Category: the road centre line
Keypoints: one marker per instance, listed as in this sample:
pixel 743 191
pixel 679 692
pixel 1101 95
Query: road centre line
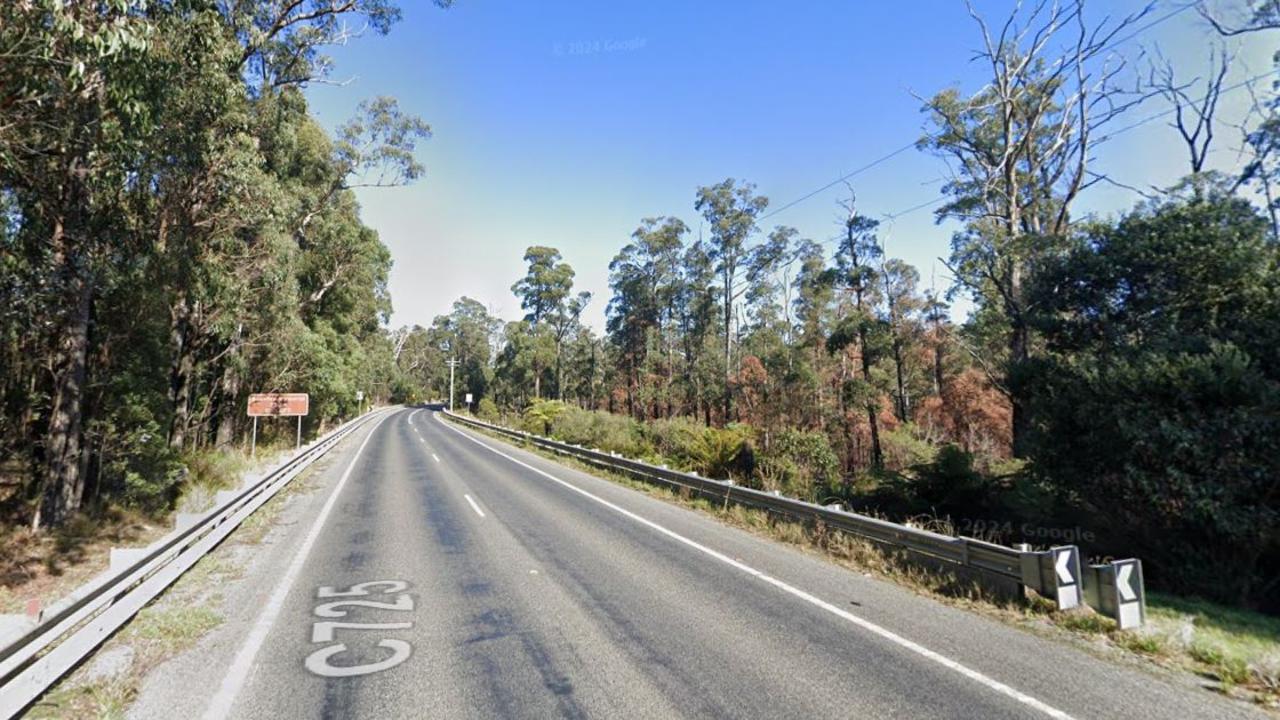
pixel 863 623
pixel 220 706
pixel 474 506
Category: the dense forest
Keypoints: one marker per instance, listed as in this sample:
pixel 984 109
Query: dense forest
pixel 1117 384
pixel 176 231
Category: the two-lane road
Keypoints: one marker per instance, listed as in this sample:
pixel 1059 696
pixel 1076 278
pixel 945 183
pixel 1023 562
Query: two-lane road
pixel 447 574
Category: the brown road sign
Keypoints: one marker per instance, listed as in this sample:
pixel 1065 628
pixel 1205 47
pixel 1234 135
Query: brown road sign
pixel 278 404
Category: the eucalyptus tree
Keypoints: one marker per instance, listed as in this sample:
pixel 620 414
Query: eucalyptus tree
pixel 1021 149
pixel 75 114
pixel 860 327
pixel 545 294
pixel 902 306
pixel 731 210
pixel 644 277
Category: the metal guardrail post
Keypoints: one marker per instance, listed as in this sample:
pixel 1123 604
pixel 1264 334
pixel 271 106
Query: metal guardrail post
pixel 1116 590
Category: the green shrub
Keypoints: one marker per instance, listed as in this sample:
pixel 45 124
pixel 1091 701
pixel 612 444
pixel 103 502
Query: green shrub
pixel 800 464
pixel 537 418
pixel 724 452
pixel 606 431
pixel 675 440
pixel 904 448
pixel 487 410
pixel 950 485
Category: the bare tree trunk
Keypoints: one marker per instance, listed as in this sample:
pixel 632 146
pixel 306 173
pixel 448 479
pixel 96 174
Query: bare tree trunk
pixel 1019 353
pixel 728 345
pixel 903 404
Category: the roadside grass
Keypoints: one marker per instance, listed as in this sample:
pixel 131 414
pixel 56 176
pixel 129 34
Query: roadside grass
pixel 172 623
pixel 1236 650
pixel 254 529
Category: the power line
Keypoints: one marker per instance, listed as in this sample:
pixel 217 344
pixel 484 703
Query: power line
pixel 1150 118
pixel 884 158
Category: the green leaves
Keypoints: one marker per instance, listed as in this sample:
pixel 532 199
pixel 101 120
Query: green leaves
pixel 1158 404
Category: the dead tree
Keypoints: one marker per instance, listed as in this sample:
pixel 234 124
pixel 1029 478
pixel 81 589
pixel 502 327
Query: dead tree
pixel 1193 111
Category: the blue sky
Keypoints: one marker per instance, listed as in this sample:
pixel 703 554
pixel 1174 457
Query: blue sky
pixel 565 123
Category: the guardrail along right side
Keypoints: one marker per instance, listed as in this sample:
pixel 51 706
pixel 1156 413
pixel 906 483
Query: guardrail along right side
pixel 1114 589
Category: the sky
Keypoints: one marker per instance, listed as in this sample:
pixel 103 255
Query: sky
pixel 565 123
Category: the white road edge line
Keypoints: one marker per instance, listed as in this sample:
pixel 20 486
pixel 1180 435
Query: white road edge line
pixel 220 706
pixel 474 506
pixel 863 623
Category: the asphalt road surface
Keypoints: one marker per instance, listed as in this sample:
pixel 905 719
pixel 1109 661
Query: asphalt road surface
pixel 437 573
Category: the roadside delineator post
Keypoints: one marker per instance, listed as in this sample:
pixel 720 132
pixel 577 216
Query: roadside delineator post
pixel 1055 574
pixel 1116 590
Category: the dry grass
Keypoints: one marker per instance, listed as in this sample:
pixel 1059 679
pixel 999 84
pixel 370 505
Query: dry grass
pixel 45 566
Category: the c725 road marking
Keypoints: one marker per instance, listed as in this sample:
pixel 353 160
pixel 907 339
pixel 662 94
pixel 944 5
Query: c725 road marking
pixel 323 631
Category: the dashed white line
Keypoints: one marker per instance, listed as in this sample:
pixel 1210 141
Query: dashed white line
pixel 863 623
pixel 474 506
pixel 435 457
pixel 220 705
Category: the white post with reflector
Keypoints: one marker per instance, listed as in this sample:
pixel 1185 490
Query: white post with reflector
pixel 1055 574
pixel 1116 589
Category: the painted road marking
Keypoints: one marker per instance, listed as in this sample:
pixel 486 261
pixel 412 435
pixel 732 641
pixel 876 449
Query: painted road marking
pixel 323 631
pixel 220 705
pixel 435 457
pixel 863 623
pixel 474 506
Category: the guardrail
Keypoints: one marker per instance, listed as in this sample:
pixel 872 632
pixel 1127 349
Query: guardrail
pixel 1055 573
pixel 70 630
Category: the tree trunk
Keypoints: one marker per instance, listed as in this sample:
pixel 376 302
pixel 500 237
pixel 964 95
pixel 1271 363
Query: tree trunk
pixel 182 366
pixel 877 456
pixel 1021 421
pixel 559 374
pixel 228 413
pixel 63 483
pixel 901 379
pixel 1019 352
pixel 728 345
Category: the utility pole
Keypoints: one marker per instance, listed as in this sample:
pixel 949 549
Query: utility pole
pixel 452 363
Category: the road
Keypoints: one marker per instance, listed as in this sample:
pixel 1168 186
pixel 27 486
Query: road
pixel 489 582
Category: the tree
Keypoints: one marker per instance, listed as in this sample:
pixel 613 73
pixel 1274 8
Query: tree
pixel 1020 150
pixel 860 328
pixel 545 295
pixel 1158 400
pixel 1193 116
pixel 167 202
pixel 731 211
pixel 75 91
pixel 644 277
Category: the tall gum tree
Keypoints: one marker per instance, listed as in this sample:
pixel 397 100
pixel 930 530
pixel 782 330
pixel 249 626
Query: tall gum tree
pixel 1019 151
